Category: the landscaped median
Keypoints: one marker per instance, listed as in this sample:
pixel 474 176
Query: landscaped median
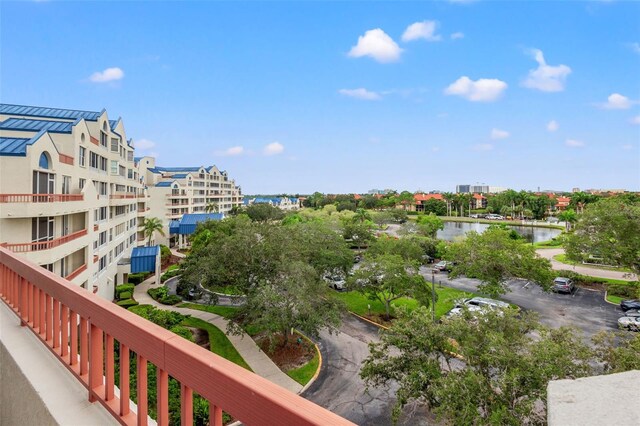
pixel 615 290
pixel 374 310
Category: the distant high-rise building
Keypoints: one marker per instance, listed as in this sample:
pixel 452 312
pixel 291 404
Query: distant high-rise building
pixel 463 189
pixel 479 189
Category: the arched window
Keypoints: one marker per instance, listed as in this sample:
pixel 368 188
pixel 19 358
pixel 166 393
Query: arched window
pixel 104 126
pixel 82 137
pixel 44 161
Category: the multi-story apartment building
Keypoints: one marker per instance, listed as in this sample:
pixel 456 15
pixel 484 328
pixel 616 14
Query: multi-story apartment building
pixel 68 193
pixel 175 191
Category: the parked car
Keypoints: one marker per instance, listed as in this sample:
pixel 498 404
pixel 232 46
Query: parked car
pixel 563 285
pixel 629 323
pixel 494 217
pixel 443 265
pixel 194 293
pixel 632 313
pixel 630 304
pixel 337 282
pixel 477 304
pixel 427 259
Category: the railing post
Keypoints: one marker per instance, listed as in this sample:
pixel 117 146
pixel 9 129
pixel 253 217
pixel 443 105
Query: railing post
pixel 108 393
pixel 124 380
pixel 73 344
pixel 24 302
pixel 186 406
pixel 163 397
pixel 215 415
pixel 64 330
pixel 49 319
pixel 41 315
pixel 142 391
pixel 84 348
pixel 96 362
pixel 56 326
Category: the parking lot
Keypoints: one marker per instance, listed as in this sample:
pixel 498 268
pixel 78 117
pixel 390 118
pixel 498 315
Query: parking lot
pixel 584 309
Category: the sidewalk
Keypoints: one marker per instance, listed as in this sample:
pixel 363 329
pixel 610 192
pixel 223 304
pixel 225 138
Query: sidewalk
pixel 592 271
pixel 259 362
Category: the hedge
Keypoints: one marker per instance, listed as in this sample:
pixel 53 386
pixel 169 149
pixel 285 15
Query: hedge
pixel 125 295
pixel 122 289
pixel 630 290
pixel 159 294
pixel 127 303
pixel 138 278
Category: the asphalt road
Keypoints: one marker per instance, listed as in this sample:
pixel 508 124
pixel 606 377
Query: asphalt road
pixel 340 389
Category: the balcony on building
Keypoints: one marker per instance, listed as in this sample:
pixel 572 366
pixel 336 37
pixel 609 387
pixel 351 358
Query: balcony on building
pixel 77 340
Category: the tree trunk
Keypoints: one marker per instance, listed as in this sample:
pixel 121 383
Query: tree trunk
pixel 387 306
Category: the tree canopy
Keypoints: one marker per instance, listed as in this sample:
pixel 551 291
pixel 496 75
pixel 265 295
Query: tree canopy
pixel 493 257
pixel 608 230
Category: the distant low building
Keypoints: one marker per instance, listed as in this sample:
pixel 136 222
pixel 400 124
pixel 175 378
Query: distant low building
pixel 284 203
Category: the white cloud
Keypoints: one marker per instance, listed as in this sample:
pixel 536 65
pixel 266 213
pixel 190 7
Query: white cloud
pixel 499 134
pixel 547 78
pixel 435 149
pixel 627 147
pixel 635 47
pixel 232 151
pixel 552 126
pixel 481 90
pixel 456 36
pixel 273 148
pixel 110 74
pixel 483 147
pixel 574 143
pixel 144 144
pixel 421 30
pixel 378 45
pixel 360 93
pixel 617 101
pixel 635 120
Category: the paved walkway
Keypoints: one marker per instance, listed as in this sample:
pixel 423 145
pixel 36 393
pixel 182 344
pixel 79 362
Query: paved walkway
pixel 592 271
pixel 259 362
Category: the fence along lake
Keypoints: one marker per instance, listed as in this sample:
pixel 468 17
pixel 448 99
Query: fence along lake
pixel 531 233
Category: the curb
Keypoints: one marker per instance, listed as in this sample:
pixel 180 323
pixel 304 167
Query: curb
pixel 369 321
pixel 317 373
pixel 605 299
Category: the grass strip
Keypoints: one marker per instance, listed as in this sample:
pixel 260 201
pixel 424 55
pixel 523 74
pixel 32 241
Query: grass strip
pixel 219 343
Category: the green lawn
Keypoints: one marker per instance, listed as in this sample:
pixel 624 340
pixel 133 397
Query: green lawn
pixel 305 373
pixel 562 258
pixel 614 299
pixel 218 341
pixel 358 303
pixel 552 243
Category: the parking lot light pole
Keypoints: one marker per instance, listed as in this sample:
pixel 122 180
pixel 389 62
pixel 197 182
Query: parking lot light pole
pixel 433 296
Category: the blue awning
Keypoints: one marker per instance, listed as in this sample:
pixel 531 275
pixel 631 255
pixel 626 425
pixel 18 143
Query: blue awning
pixel 143 259
pixel 189 222
pixel 174 227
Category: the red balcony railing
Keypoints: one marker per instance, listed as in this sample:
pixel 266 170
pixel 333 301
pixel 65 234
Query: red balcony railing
pixel 44 245
pixel 66 159
pixel 39 198
pixel 51 308
pixel 77 272
pixel 122 196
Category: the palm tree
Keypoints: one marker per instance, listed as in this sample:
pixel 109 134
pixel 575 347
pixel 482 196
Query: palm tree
pixel 212 208
pixel 448 197
pixel 361 216
pixel 151 225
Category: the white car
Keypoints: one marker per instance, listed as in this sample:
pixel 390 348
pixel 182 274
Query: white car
pixel 477 304
pixel 494 217
pixel 629 323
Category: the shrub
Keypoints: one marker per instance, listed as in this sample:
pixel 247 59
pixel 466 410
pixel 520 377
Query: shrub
pixel 165 253
pixel 170 273
pixel 157 293
pixel 123 288
pixel 138 278
pixel 630 290
pixel 127 303
pixel 124 295
pixel 172 299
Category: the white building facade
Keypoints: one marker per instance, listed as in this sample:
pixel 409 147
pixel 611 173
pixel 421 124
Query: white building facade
pixel 69 193
pixel 175 191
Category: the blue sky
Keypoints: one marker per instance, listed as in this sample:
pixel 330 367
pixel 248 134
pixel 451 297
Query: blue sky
pixel 348 96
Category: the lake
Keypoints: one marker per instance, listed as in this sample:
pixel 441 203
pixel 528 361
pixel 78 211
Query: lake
pixel 532 234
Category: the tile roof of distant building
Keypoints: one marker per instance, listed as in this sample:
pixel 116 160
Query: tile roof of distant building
pixel 30 125
pixel 35 111
pixel 425 197
pixel 479 196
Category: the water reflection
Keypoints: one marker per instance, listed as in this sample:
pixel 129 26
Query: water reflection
pixel 530 233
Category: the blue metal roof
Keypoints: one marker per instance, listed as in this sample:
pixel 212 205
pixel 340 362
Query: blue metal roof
pixel 179 176
pixel 34 111
pixel 143 259
pixel 29 125
pixel 189 222
pixel 113 124
pixel 174 227
pixel 17 147
pixel 164 184
pixel 154 170
pixel 178 169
